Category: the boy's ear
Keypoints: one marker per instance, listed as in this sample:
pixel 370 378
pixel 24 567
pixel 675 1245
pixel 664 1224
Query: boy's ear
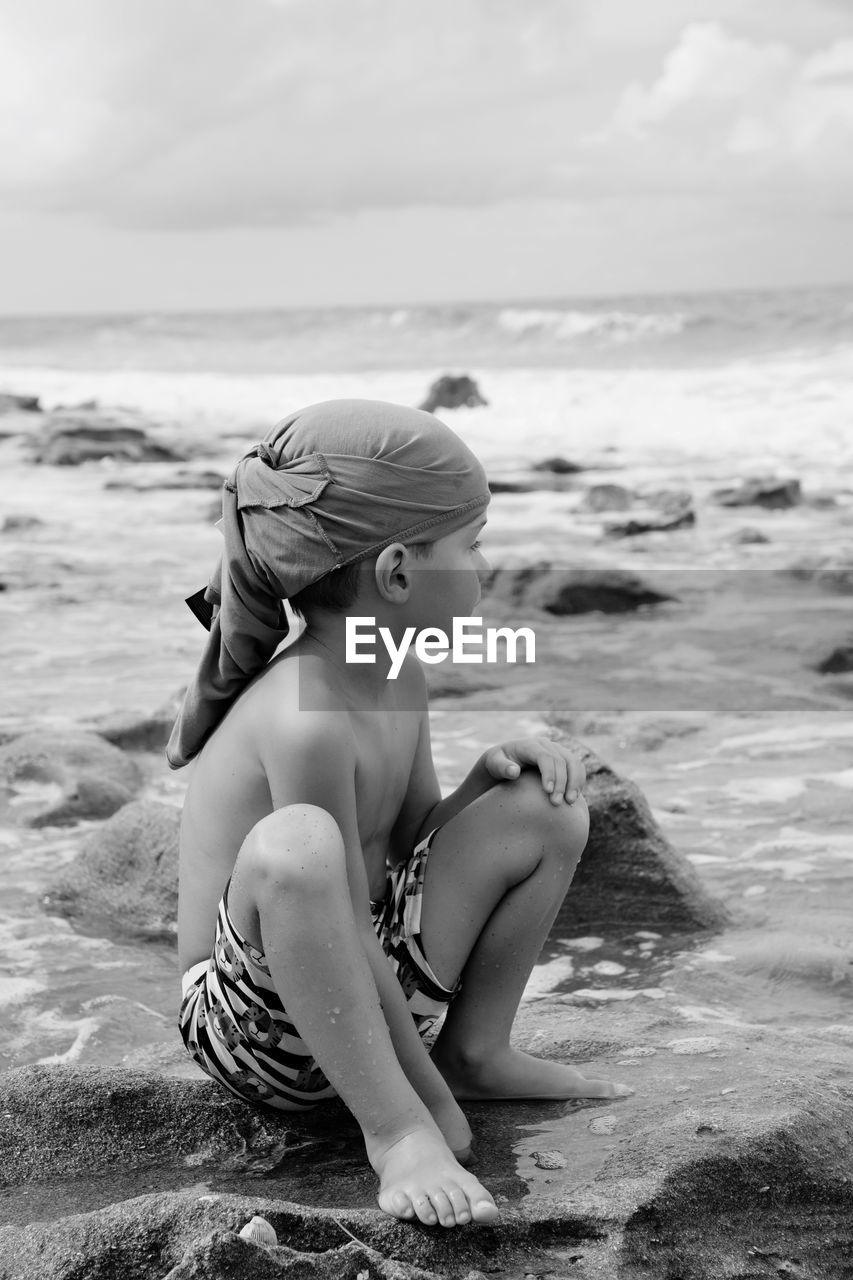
pixel 392 573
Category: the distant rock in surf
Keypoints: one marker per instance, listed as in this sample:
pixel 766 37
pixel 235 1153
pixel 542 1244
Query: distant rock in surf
pixel 765 491
pixel 141 731
pixel 11 403
pixel 56 778
pixel 80 436
pixel 670 509
pixel 558 466
pixel 125 878
pixel 453 391
pixel 20 523
pixel 745 537
pixel 838 662
pixel 569 591
pixel 607 497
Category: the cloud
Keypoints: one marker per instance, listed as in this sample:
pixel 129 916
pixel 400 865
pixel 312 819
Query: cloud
pixel 215 114
pixel 730 113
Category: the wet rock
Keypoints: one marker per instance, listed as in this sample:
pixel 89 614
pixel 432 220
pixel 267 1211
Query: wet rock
pixel 668 510
pixel 703 1191
pixel 747 536
pixel 59 778
pixel 833 572
pixel 630 875
pixel 839 661
pixel 568 591
pixel 11 403
pixel 73 438
pixel 511 486
pixel 453 391
pixel 20 524
pixel 140 731
pixel 557 466
pixel 766 491
pixel 70 1122
pixel 607 497
pixel 124 880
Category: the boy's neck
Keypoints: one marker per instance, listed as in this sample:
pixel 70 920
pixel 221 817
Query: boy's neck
pixel 327 633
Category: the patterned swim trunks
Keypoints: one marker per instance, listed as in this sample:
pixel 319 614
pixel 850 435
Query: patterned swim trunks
pixel 236 1028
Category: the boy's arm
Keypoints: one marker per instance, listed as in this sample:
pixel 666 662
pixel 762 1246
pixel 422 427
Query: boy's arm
pixel 423 808
pixel 317 766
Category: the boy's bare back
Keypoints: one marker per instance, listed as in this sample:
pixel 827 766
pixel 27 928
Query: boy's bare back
pixel 250 767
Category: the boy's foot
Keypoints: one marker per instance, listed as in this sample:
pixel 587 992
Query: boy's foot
pixel 511 1075
pixel 419 1178
pixel 455 1129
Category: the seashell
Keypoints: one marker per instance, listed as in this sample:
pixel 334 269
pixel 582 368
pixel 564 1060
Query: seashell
pixel 259 1231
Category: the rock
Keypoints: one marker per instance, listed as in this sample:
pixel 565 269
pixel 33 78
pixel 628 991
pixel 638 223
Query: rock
pixel 704 1190
pixel 839 661
pixel 20 524
pixel 765 491
pixel 746 536
pixel 557 466
pixel 833 572
pixel 58 778
pixel 11 403
pixel 671 510
pixel 76 437
pixel 568 591
pixel 124 880
pixel 549 1159
pixel 607 497
pixel 140 731
pixel 630 875
pixel 452 391
pixel 180 480
pixel 70 1122
pixel 511 486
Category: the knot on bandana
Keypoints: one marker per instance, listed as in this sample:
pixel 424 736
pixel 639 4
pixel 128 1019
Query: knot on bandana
pixel 330 486
pixel 264 479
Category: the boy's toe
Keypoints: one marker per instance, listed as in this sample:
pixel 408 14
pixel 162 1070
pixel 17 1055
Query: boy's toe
pixel 397 1204
pixel 485 1209
pixel 425 1211
pixel 443 1207
pixel 461 1207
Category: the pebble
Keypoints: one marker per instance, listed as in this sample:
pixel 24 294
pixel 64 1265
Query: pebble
pixel 549 1159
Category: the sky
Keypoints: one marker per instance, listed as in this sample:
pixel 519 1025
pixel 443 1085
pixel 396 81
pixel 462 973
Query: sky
pixel 193 154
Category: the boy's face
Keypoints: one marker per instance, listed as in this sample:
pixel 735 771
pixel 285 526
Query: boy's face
pixel 447 584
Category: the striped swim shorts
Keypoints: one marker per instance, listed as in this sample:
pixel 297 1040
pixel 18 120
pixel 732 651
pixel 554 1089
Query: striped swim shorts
pixel 236 1028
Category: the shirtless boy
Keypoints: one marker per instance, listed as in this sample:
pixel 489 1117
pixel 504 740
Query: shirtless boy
pixel 332 904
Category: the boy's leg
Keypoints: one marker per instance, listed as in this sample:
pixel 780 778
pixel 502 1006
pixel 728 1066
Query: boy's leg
pixel 496 876
pixel 289 896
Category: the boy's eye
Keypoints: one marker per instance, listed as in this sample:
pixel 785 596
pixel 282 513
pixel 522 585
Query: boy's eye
pixel 475 546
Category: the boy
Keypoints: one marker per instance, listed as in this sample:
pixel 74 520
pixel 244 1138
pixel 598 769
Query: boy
pixel 346 904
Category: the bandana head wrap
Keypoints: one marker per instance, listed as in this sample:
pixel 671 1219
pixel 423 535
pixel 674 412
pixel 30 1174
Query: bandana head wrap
pixel 329 486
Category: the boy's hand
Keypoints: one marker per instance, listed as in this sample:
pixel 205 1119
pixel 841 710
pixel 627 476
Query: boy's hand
pixel 563 774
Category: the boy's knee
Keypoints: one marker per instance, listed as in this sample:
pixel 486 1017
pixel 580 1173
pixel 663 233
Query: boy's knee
pixel 562 827
pixel 299 846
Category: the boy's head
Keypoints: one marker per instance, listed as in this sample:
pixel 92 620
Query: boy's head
pixel 330 486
